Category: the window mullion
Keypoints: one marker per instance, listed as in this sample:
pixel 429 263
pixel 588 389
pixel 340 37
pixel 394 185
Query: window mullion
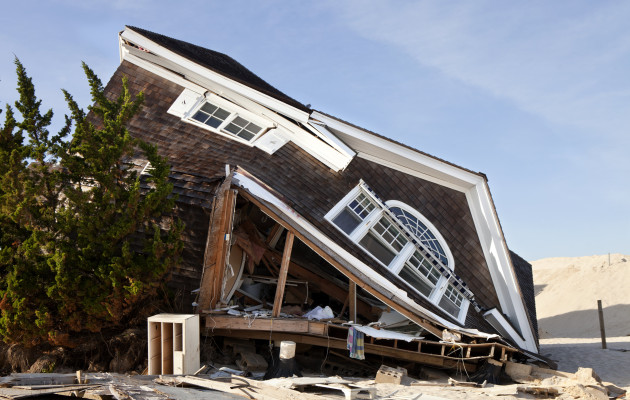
pixel 366 225
pixel 440 289
pixel 402 257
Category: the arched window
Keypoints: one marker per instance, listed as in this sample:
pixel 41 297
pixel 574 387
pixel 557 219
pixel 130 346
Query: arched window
pixel 378 228
pixel 423 230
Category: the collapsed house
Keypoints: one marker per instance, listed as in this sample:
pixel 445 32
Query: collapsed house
pixel 301 226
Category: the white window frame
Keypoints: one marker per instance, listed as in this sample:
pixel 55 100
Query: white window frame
pixel 430 226
pixel 235 111
pixel 401 257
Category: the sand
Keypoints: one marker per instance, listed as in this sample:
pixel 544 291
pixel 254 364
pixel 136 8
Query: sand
pixel 567 290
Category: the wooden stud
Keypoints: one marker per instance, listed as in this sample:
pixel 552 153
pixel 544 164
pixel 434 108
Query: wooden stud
pixel 330 288
pixel 322 253
pixel 282 277
pixel 352 296
pixel 275 231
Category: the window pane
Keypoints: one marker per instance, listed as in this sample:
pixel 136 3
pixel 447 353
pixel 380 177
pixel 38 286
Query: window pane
pixel 209 108
pixel 422 232
pixel 246 135
pixel 424 267
pixel 390 234
pixel 361 205
pixel 232 129
pixel 221 114
pixel 239 122
pixel 347 221
pixel 213 122
pixel 377 249
pixel 199 116
pixel 449 307
pixel 253 128
pixel 416 281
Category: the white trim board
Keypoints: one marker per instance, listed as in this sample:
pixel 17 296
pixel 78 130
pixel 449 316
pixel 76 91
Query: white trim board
pixel 270 102
pixel 323 151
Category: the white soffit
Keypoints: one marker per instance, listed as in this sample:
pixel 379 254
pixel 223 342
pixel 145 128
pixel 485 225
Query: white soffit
pixel 268 101
pixel 399 157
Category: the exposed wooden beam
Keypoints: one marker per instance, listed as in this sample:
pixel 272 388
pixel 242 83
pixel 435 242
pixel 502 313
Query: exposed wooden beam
pixel 401 309
pixel 282 277
pixel 273 235
pixel 352 301
pixel 329 287
pixel 336 343
pixel 215 254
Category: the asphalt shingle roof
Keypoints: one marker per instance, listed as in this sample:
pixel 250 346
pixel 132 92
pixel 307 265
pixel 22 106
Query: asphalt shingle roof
pixel 220 63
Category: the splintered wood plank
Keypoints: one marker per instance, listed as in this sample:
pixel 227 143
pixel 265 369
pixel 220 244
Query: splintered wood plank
pixel 207 296
pixel 336 343
pixel 217 245
pixel 223 246
pixel 282 277
pixel 241 386
pixel 259 324
pixel 272 235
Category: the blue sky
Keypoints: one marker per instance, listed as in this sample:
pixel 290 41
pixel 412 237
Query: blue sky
pixel 534 94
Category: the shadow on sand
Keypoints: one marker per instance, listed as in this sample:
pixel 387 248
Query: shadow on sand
pixel 585 323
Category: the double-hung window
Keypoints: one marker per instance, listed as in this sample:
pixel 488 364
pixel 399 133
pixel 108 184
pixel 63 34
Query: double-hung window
pixel 227 119
pixel 231 123
pixel 381 235
pixel 221 116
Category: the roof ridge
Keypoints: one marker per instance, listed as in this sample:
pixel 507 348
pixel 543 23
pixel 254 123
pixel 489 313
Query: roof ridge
pixel 220 63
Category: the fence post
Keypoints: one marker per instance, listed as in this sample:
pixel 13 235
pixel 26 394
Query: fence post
pixel 601 323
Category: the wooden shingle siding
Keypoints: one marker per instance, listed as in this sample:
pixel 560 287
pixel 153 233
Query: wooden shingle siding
pixel 306 184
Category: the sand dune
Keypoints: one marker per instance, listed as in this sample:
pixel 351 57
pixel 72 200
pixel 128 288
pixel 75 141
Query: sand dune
pixel 567 290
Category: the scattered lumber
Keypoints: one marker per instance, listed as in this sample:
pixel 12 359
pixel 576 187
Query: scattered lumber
pixel 301 382
pixel 350 391
pixel 454 382
pixel 539 391
pixel 23 392
pixel 240 386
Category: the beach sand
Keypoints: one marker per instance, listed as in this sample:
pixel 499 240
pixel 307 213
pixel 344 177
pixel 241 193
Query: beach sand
pixel 567 290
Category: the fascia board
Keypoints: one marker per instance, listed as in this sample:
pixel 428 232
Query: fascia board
pixel 498 261
pixel 411 171
pixel 441 168
pixel 391 290
pixel 326 135
pixel 507 328
pixel 238 87
pixel 128 55
pixel 327 154
pixel 482 208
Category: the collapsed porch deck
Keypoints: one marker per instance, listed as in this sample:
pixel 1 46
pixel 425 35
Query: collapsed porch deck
pixel 465 356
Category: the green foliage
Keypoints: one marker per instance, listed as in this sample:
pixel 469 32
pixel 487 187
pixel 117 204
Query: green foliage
pixel 80 243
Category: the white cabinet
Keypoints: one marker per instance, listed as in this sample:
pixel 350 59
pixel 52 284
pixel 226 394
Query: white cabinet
pixel 173 344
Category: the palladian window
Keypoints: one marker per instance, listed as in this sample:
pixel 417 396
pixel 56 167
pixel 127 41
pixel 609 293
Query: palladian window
pixel 404 241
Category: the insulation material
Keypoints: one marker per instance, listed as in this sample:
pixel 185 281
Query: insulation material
pixel 385 334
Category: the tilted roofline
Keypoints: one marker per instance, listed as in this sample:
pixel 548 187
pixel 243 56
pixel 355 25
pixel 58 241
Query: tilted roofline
pixel 197 68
